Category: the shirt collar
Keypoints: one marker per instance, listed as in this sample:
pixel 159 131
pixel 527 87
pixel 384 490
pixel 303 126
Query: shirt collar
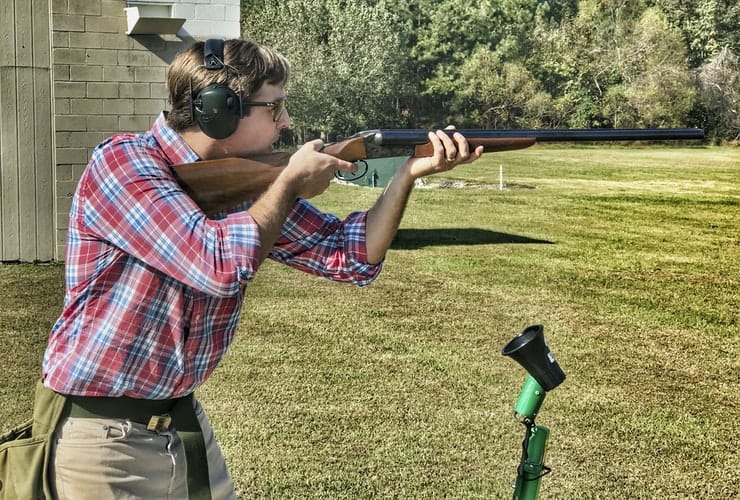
pixel 174 147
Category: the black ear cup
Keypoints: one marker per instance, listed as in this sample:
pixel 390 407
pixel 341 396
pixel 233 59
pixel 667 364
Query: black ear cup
pixel 216 109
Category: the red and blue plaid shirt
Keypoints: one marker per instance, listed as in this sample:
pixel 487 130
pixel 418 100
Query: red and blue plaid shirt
pixel 154 288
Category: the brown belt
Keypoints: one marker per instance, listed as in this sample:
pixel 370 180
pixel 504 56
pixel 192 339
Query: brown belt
pixel 157 415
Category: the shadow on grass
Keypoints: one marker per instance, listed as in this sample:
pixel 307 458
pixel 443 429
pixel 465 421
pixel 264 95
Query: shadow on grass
pixel 411 239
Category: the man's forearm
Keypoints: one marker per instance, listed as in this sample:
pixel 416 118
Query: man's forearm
pixel 385 216
pixel 269 213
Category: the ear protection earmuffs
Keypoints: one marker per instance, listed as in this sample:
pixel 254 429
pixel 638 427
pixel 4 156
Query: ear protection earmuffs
pixel 216 109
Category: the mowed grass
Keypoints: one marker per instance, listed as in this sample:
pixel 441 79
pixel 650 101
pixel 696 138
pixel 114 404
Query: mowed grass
pixel 629 257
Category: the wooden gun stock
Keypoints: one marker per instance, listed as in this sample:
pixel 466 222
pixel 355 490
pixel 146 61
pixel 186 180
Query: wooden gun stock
pixel 218 185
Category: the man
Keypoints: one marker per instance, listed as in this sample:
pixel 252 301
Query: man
pixel 154 288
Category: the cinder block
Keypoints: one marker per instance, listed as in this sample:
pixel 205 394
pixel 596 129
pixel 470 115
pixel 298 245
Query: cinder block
pixel 60 39
pixel 78 139
pixel 106 24
pixel 134 89
pixel 61 72
pixel 66 189
pixel 102 89
pixel 64 172
pixel 118 106
pixel 65 55
pixel 84 7
pixel 111 8
pixel 70 122
pixel 86 73
pixel 64 203
pixel 107 124
pixel 134 123
pixel 62 235
pixel 148 106
pixel 133 58
pixel 59 6
pixel 102 57
pixel 210 12
pixel 69 89
pixel 159 91
pixel 118 74
pixel 62 106
pixel 70 155
pixel 66 22
pixel 150 74
pixel 86 106
pixel 184 10
pixel 85 40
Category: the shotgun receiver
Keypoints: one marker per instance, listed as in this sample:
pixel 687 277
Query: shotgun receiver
pixel 217 185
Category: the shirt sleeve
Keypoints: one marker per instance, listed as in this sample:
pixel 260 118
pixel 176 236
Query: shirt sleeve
pixel 323 245
pixel 130 200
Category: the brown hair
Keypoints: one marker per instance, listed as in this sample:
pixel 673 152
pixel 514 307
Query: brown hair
pixel 248 66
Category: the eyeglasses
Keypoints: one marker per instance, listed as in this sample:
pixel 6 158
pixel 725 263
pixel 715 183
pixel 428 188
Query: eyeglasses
pixel 278 107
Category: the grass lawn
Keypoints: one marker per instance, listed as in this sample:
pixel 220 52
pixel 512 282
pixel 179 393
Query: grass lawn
pixel 630 258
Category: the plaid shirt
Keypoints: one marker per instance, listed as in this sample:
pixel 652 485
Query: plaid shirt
pixel 154 288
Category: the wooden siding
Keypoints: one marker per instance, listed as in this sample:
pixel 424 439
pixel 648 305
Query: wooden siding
pixel 26 149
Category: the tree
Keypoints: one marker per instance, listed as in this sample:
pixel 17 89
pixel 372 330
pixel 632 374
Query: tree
pixel 459 32
pixel 706 26
pixel 497 94
pixel 655 87
pixel 347 62
pixel 719 95
pixel 616 64
pixel 504 63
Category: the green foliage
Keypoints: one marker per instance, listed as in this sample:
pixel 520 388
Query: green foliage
pixel 497 94
pixel 707 26
pixel 348 64
pixel 504 63
pixel 655 88
pixel 719 95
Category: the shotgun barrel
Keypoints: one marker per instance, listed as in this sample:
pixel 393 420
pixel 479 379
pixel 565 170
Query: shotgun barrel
pixel 397 137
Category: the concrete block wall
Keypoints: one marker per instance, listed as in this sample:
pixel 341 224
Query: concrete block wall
pixel 105 81
pixel 207 18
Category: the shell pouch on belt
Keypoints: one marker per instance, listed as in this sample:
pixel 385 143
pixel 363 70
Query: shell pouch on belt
pixel 24 451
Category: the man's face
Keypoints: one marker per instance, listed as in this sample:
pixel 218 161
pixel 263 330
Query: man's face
pixel 259 131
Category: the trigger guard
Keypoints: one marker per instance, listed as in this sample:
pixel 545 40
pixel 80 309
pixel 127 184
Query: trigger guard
pixel 347 177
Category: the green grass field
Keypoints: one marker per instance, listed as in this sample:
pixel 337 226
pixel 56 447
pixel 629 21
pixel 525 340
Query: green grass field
pixel 630 258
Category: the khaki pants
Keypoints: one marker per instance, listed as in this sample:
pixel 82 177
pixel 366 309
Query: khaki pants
pixel 101 459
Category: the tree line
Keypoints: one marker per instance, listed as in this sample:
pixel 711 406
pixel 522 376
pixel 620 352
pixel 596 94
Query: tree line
pixel 505 63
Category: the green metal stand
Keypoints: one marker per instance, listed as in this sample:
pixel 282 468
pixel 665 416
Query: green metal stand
pixel 530 350
pixel 531 466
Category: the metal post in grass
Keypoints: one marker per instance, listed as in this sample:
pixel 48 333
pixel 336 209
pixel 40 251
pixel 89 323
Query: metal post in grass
pixel 530 350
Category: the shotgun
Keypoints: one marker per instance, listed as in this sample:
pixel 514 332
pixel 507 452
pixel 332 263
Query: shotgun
pixel 218 185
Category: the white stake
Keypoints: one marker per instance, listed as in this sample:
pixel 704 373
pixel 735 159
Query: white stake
pixel 500 177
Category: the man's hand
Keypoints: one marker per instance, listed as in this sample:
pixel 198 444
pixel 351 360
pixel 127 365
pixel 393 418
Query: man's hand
pixel 448 153
pixel 310 171
pixel 385 216
pixel 308 174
